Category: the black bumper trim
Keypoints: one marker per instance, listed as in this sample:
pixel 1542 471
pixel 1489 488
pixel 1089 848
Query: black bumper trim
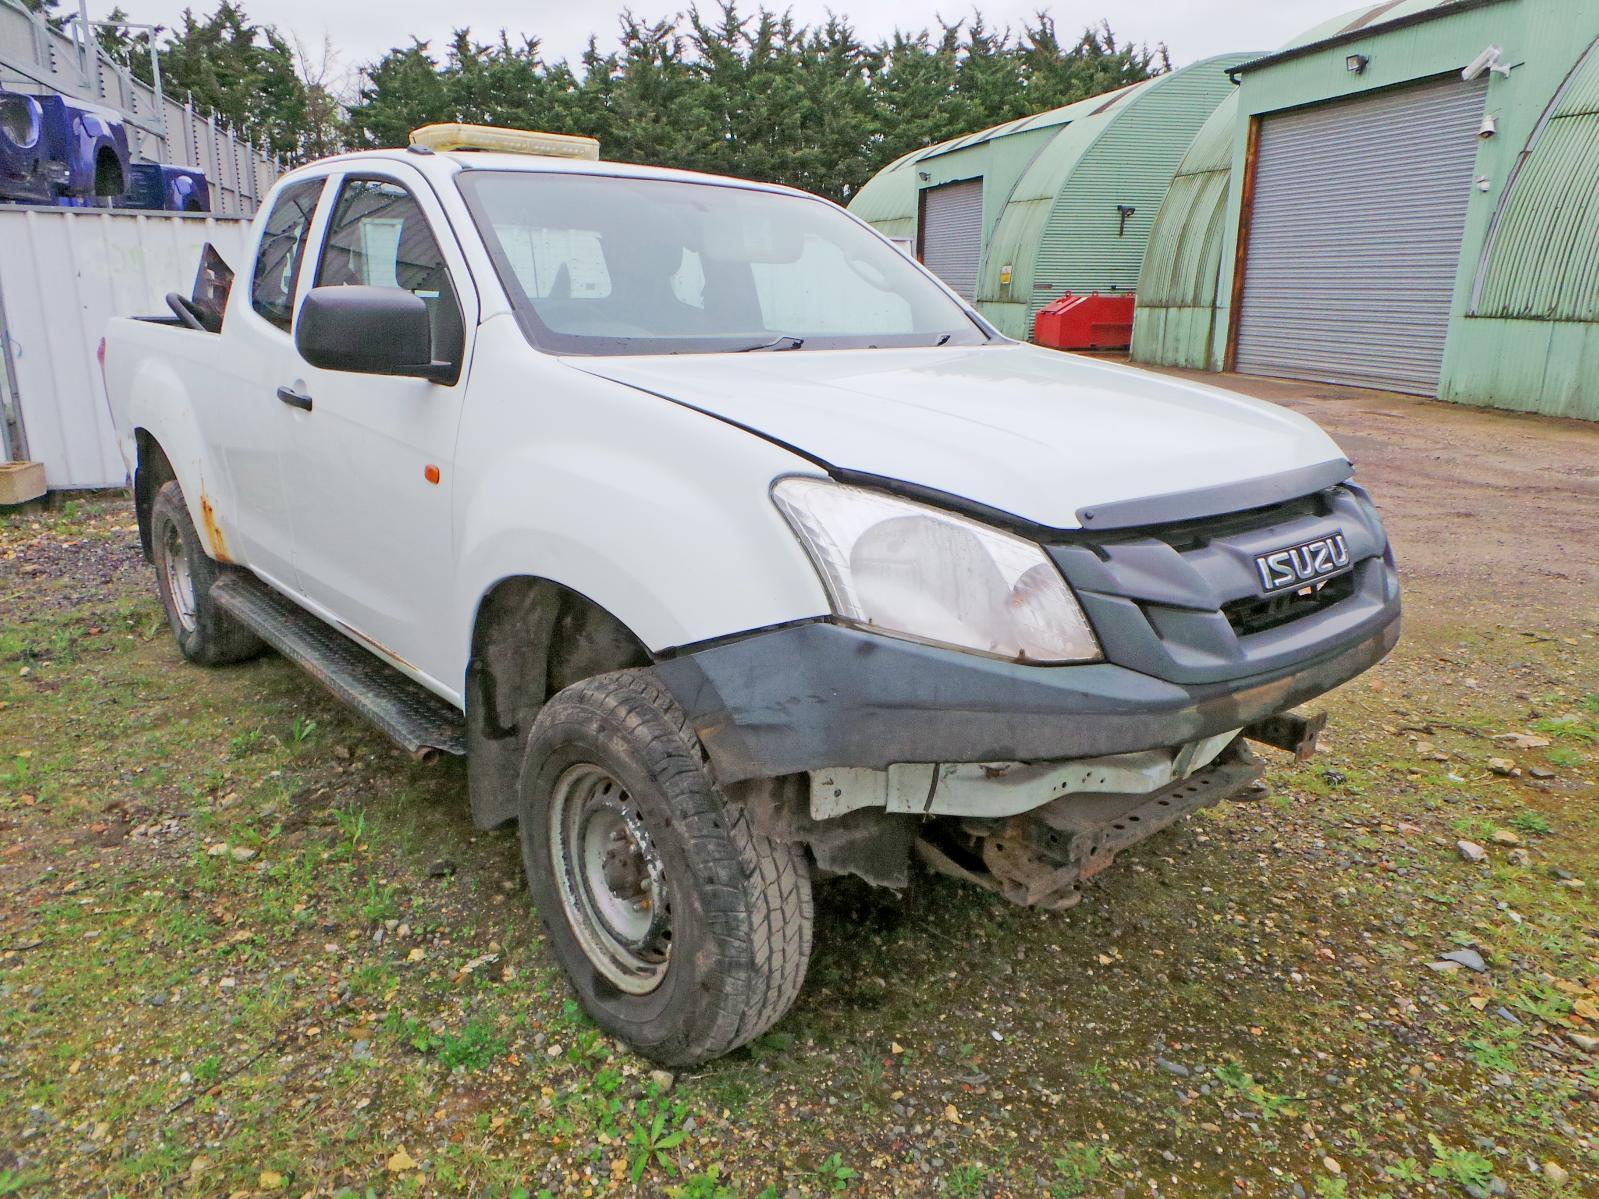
pixel 812 696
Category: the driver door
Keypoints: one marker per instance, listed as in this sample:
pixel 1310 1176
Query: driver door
pixel 372 474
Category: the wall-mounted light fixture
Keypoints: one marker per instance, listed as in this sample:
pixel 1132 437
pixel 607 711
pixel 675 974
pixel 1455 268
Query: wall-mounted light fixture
pixel 1124 211
pixel 1356 64
pixel 923 176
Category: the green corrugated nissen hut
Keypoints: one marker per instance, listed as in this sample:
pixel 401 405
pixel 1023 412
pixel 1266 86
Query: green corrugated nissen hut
pixel 1013 216
pixel 1406 197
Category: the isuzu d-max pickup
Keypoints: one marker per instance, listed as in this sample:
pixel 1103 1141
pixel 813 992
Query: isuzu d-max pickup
pixel 731 548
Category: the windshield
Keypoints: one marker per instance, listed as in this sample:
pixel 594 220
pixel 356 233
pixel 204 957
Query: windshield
pixel 600 264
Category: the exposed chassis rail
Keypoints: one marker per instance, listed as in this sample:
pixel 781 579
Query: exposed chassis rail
pixel 1041 858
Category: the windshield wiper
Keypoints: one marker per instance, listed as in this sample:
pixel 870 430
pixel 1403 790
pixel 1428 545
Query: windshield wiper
pixel 785 342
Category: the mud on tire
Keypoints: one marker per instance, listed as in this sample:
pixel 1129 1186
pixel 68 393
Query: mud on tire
pixel 684 931
pixel 184 575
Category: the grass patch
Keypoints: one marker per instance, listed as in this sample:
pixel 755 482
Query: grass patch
pixel 473 1048
pixel 1463 1167
pixel 1077 1170
pixel 1532 823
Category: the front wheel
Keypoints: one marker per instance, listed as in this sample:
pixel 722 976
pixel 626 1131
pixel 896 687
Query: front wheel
pixel 684 931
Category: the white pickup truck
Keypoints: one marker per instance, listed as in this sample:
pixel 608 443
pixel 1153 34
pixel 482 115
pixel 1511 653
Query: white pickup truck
pixel 732 549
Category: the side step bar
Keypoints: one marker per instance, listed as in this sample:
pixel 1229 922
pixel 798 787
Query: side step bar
pixel 413 717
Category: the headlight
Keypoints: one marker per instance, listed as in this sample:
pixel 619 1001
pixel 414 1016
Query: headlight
pixel 928 575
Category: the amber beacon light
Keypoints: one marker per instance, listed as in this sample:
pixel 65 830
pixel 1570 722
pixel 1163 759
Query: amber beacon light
pixel 454 136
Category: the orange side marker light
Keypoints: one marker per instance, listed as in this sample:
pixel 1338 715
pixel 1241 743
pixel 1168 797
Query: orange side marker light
pixel 430 473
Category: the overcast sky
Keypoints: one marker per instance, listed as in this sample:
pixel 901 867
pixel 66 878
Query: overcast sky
pixel 362 31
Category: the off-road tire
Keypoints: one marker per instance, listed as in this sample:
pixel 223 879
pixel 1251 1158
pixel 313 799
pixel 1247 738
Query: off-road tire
pixel 740 903
pixel 210 636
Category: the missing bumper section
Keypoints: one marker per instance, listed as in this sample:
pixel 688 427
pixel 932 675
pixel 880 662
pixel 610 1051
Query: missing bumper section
pixel 1040 858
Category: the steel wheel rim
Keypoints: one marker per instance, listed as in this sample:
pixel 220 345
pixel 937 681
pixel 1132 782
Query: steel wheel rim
pixel 611 879
pixel 180 578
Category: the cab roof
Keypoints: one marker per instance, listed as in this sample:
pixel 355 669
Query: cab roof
pixel 448 163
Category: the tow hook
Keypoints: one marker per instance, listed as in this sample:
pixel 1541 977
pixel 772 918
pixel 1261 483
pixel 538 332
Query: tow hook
pixel 1291 731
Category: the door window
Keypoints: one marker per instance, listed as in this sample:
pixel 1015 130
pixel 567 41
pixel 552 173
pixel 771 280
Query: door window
pixel 379 237
pixel 277 263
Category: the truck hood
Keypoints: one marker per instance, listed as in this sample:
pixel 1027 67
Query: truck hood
pixel 1044 436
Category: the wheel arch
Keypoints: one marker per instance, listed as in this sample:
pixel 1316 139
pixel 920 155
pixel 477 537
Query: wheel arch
pixel 110 178
pixel 531 637
pixel 151 469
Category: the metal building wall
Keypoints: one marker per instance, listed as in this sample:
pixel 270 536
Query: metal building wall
pixel 1048 166
pixel 1518 334
pixel 1530 339
pixel 1182 309
pixel 63 274
pixel 1086 246
pixel 1175 324
pixel 1010 291
pixel 37 59
pixel 1001 157
pixel 887 201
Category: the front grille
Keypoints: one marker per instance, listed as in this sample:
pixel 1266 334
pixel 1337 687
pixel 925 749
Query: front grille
pixel 1182 601
pixel 1251 615
pixel 1185 536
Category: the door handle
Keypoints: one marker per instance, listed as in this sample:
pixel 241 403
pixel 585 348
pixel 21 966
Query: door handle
pixel 295 399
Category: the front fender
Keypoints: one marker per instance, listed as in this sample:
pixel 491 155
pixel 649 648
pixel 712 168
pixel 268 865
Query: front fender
pixel 659 514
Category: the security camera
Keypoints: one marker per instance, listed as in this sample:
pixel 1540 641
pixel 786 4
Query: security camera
pixel 1489 126
pixel 1486 63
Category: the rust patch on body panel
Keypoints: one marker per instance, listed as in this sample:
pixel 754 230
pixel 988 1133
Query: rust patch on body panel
pixel 213 531
pixel 376 644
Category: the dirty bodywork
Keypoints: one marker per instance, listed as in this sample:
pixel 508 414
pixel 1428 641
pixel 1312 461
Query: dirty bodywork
pixel 531 639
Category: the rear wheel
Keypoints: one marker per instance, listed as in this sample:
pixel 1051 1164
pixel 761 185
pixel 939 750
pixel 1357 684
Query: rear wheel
pixel 184 575
pixel 683 930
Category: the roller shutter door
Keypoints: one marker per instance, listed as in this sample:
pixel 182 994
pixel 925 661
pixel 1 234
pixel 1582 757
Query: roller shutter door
pixel 1355 237
pixel 952 233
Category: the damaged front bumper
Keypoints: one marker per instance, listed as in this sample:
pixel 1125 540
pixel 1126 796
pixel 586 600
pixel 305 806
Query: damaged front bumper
pixel 820 696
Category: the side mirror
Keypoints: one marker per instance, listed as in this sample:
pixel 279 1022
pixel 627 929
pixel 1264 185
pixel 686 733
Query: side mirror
pixel 369 330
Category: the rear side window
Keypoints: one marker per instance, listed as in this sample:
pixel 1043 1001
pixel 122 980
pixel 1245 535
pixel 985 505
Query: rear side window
pixel 277 263
pixel 379 237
